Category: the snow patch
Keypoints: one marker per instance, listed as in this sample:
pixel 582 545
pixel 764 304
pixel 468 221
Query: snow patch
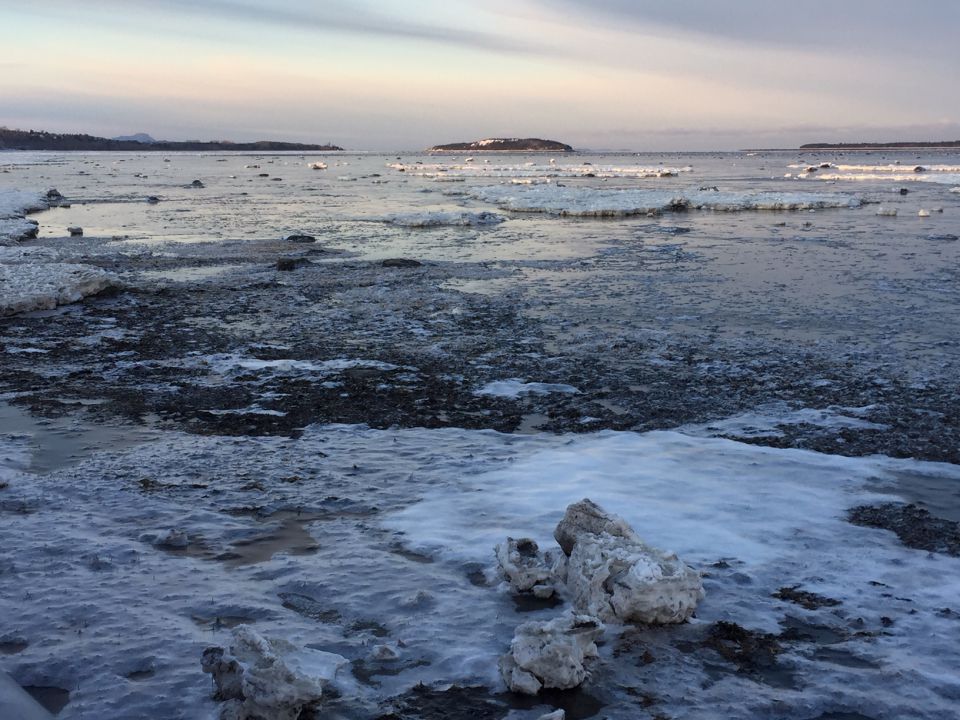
pixel 514 388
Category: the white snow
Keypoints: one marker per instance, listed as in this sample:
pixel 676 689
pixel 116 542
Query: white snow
pixel 594 202
pixel 944 174
pixel 515 388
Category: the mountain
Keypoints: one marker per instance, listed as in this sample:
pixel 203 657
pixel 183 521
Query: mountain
pixel 138 137
pixel 41 140
pixel 504 145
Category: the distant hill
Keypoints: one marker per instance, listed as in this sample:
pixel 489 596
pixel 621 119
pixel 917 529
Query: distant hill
pixel 881 146
pixel 505 145
pixel 41 140
pixel 138 137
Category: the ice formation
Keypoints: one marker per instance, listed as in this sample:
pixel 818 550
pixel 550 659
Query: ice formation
pixel 528 569
pixel 16 704
pixel 515 388
pixel 259 678
pixel 613 575
pixel 43 286
pixel 550 654
pixel 600 202
pixel 14 206
pixel 531 170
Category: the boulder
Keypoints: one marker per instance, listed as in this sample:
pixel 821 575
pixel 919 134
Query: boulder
pixel 301 238
pixel 528 569
pixel 259 678
pixel 550 654
pixel 287 264
pixel 613 575
pixel 401 263
pixel 75 231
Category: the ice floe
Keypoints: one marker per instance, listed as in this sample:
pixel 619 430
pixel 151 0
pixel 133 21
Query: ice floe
pixel 599 202
pixel 25 287
pixel 943 174
pixel 440 219
pixel 532 170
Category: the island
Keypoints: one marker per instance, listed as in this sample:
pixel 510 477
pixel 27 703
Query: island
pixel 504 145
pixel 42 140
pixel 936 145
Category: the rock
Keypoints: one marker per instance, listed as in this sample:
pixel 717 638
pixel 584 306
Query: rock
pixel 54 194
pixel 257 678
pixel 174 539
pixel 613 575
pixel 919 169
pixel 301 238
pixel 197 184
pixel 550 654
pixel 317 166
pixel 75 231
pixel 529 570
pixel 288 264
pixel 588 518
pixel 401 263
pixel 153 199
pixel 904 191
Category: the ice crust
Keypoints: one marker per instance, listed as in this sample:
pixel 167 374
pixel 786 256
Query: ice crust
pixel 942 174
pixel 775 516
pixel 14 206
pixel 594 202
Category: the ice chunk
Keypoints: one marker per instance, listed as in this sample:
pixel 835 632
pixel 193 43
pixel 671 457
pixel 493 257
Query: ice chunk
pixel 528 569
pixel 613 575
pixel 43 286
pixel 550 654
pixel 16 703
pixel 259 678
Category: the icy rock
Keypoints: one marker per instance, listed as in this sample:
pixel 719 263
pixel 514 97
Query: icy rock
pixel 887 212
pixel 176 539
pixel 550 654
pixel 528 569
pixel 259 678
pixel 588 518
pixel 615 576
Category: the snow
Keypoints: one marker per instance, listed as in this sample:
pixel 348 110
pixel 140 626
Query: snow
pixel 439 219
pixel 98 601
pixel 14 206
pixel 944 174
pixel 226 363
pixel 515 388
pixel 594 202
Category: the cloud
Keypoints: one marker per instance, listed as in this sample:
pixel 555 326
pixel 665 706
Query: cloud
pixel 917 27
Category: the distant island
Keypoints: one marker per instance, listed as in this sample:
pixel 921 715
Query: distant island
pixel 41 140
pixel 881 146
pixel 504 145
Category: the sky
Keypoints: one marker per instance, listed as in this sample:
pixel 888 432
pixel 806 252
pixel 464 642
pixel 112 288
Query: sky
pixel 407 74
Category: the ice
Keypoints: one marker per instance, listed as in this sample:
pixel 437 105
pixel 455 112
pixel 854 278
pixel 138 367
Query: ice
pixel 594 202
pixel 767 421
pixel 517 388
pixel 97 601
pixel 943 174
pixel 439 219
pixel 534 171
pixel 14 206
pixel 226 363
pixel 43 286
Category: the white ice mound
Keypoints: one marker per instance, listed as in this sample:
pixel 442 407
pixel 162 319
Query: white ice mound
pixel 527 569
pixel 14 206
pixel 444 219
pixel 614 576
pixel 601 202
pixel 258 678
pixel 550 654
pixel 26 287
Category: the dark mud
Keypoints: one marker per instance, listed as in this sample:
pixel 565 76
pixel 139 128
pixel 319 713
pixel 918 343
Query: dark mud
pixel 142 358
pixel 914 525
